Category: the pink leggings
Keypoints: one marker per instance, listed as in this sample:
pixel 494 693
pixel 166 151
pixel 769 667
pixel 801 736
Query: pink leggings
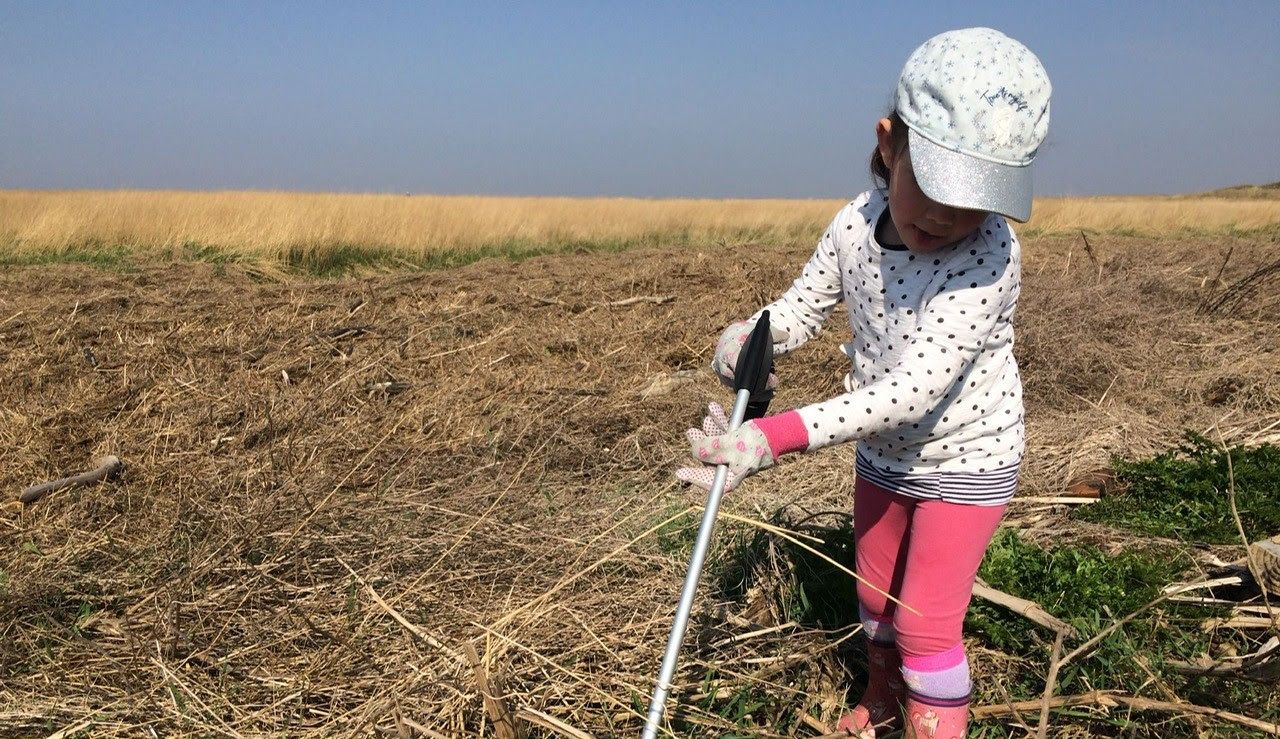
pixel 925 553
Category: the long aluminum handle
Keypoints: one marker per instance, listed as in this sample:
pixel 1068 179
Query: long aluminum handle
pixel 658 701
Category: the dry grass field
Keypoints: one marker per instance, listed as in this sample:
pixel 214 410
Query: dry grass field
pixel 322 231
pixel 335 489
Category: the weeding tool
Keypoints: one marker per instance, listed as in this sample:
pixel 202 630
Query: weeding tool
pixel 751 400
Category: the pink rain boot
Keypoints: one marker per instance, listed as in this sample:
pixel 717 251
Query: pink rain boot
pixel 937 719
pixel 880 706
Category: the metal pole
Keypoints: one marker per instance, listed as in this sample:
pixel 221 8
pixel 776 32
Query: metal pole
pixel 659 699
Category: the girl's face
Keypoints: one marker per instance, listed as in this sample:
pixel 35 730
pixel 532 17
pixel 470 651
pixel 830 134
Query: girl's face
pixel 922 224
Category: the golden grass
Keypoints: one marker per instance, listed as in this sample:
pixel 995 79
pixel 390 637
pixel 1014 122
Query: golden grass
pixel 1153 215
pixel 271 225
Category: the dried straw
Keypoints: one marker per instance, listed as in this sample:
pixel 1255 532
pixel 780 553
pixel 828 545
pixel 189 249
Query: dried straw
pixel 335 488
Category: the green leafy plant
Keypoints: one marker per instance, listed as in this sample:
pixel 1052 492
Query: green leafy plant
pixel 1183 493
pixel 1077 584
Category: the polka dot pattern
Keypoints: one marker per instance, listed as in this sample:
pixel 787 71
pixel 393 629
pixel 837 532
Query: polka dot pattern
pixel 933 384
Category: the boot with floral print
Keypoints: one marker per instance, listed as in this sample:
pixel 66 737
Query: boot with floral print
pixel 936 718
pixel 881 703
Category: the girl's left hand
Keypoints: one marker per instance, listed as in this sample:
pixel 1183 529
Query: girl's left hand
pixel 745 450
pixel 731 344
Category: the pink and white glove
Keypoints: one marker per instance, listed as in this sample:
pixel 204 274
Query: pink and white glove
pixel 745 450
pixel 753 446
pixel 730 346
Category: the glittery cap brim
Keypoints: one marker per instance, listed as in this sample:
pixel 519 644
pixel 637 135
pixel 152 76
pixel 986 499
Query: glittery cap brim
pixel 964 181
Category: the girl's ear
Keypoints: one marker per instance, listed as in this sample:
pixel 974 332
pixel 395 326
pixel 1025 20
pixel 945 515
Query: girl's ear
pixel 884 141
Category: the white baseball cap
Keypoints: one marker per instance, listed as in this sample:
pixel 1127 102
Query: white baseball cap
pixel 977 106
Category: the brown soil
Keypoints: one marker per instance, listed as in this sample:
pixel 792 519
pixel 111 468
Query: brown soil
pixel 281 507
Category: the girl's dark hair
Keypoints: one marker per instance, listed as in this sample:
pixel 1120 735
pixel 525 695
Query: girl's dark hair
pixel 897 142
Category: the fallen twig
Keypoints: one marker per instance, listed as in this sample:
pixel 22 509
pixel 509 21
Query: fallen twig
pixel 1201 600
pixel 1107 699
pixel 655 299
pixel 504 724
pixel 1178 588
pixel 1261 665
pixel 752 634
pixel 1145 665
pixel 817 725
pixel 1150 704
pixel 1245 610
pixel 413 628
pixel 105 468
pixel 538 718
pixel 1058 499
pixel 1097 638
pixel 1237 622
pixel 430 733
pixel 1017 714
pixel 1050 683
pixel 1092 698
pixel 1025 608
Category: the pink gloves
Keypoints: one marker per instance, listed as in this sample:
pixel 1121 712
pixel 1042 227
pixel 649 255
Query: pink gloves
pixel 753 446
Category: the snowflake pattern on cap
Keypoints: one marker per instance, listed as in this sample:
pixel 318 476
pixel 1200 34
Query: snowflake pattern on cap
pixel 978 92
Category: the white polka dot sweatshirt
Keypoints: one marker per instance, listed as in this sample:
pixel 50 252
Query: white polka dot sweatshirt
pixel 934 396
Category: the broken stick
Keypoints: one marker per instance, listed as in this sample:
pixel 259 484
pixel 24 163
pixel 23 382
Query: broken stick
pixel 551 723
pixel 1025 608
pixel 505 725
pixel 106 467
pixel 655 299
pixel 1262 665
pixel 1108 699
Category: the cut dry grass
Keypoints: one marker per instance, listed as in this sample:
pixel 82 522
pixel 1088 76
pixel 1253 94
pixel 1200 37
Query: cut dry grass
pixel 319 231
pixel 334 487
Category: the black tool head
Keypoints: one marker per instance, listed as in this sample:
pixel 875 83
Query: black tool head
pixel 755 363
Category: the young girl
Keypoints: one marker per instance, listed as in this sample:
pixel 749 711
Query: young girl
pixel 929 269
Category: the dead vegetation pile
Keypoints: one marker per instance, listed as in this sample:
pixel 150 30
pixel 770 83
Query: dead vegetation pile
pixel 353 506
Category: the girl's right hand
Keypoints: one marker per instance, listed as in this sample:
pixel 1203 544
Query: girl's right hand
pixel 730 345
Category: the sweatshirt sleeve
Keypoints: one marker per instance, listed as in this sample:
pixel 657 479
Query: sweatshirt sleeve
pixel 803 309
pixel 968 313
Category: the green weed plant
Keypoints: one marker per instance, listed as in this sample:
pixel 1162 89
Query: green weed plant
pixel 1184 493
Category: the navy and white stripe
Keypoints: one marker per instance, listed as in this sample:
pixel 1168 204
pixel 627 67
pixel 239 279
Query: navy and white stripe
pixel 990 488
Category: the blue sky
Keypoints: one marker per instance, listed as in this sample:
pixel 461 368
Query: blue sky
pixel 602 98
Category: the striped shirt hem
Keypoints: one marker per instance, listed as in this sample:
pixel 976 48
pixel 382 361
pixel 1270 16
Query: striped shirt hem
pixel 972 488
